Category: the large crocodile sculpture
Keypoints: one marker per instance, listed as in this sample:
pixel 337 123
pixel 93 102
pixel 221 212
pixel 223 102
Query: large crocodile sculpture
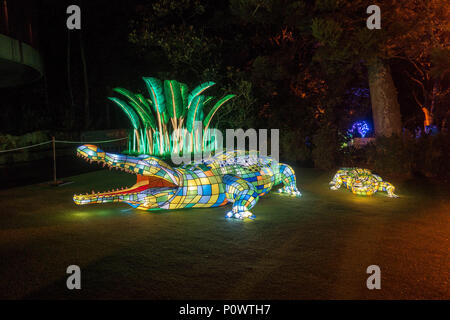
pixel 230 177
pixel 361 182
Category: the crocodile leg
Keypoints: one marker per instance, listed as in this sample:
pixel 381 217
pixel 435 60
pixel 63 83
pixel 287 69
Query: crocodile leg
pixel 242 194
pixel 388 187
pixel 286 175
pixel 336 182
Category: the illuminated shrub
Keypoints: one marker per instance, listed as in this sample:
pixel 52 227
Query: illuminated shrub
pixel 171 120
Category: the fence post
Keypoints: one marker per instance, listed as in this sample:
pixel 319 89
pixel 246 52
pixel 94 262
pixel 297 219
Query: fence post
pixel 54 160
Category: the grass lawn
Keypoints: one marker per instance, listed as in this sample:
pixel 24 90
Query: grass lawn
pixel 315 247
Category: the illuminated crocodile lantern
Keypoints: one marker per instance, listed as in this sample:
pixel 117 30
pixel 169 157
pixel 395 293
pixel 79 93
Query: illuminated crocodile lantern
pixel 361 182
pixel 230 177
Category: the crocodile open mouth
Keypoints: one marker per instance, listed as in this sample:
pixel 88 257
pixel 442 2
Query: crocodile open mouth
pixel 143 182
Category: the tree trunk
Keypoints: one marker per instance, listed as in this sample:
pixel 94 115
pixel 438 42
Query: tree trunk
pixel 433 101
pixel 383 95
pixel 87 119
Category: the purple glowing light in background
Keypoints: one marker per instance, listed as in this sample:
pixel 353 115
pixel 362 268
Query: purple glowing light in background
pixel 361 127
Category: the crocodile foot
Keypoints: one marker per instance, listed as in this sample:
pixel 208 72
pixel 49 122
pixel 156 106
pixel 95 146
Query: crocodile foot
pixel 293 191
pixel 392 195
pixel 240 215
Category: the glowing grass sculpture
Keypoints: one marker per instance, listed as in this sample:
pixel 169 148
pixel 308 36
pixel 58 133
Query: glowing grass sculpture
pixel 232 177
pixel 361 182
pixel 172 120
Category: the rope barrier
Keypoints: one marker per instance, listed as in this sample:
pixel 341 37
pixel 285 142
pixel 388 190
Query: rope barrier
pixel 61 141
pixel 104 141
pixel 21 148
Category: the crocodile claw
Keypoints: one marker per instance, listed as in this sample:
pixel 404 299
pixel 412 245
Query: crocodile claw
pixel 240 215
pixel 290 191
pixel 393 195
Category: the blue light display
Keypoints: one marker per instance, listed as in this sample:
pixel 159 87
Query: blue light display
pixel 361 127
